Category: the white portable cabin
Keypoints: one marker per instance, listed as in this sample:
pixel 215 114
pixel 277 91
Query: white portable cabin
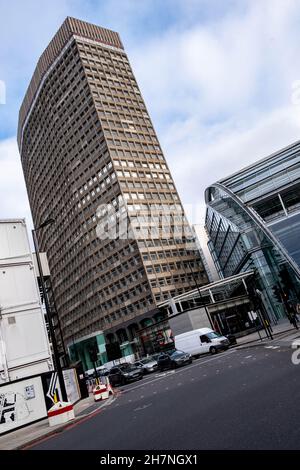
pixel 24 345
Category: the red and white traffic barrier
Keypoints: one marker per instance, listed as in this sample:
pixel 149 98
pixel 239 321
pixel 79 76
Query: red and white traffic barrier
pixel 60 413
pixel 103 390
pixel 100 392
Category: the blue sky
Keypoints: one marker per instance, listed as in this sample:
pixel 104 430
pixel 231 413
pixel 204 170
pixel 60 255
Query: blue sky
pixel 217 77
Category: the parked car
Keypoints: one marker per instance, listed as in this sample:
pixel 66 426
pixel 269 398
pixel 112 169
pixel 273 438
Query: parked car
pixel 200 341
pixel 155 356
pixel 173 359
pixel 124 373
pixel 148 364
pixel 101 371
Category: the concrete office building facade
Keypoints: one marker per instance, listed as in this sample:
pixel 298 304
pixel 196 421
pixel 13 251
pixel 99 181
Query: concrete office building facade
pixel 92 160
pixel 253 223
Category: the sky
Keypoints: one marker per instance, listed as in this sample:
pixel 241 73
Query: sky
pixel 220 78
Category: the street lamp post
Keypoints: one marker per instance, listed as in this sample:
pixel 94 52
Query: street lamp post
pixel 48 312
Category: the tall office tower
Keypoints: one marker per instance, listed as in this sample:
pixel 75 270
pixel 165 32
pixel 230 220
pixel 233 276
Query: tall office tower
pixel 92 162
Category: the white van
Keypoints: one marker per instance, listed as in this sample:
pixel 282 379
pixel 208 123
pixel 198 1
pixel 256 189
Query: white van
pixel 201 341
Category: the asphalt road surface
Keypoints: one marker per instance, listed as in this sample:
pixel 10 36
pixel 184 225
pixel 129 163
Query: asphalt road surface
pixel 239 399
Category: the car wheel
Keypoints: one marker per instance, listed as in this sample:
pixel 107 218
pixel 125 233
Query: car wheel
pixel 213 350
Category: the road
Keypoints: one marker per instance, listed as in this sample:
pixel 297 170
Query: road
pixel 239 399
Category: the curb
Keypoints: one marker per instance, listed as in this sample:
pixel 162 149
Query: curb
pixel 258 342
pixel 62 428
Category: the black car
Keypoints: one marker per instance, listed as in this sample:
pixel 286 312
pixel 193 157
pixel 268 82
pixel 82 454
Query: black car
pixel 156 355
pixel 173 359
pixel 124 373
pixel 101 372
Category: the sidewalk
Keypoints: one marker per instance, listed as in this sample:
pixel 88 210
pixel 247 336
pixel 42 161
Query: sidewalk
pixel 29 434
pixel 281 330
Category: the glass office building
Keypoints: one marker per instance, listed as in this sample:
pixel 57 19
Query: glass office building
pixel 253 222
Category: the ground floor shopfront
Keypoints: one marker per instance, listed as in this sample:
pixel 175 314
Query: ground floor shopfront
pixel 229 306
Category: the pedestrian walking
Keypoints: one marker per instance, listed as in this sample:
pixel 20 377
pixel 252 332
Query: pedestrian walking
pixel 294 320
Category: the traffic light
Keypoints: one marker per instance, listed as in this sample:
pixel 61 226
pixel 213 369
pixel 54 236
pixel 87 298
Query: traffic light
pixel 93 352
pixel 277 294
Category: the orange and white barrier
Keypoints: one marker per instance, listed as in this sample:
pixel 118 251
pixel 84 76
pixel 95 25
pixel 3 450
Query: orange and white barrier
pixel 60 413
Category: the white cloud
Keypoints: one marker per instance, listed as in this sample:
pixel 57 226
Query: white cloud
pixel 221 92
pixel 200 156
pixel 14 201
pixel 218 87
pixel 222 67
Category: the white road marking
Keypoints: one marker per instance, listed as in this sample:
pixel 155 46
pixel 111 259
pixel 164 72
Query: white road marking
pixel 163 374
pixel 248 357
pixel 141 408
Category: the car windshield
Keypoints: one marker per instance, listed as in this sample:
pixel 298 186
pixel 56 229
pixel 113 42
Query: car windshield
pixel 126 367
pixel 155 356
pixel 213 335
pixel 176 354
pixel 147 360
